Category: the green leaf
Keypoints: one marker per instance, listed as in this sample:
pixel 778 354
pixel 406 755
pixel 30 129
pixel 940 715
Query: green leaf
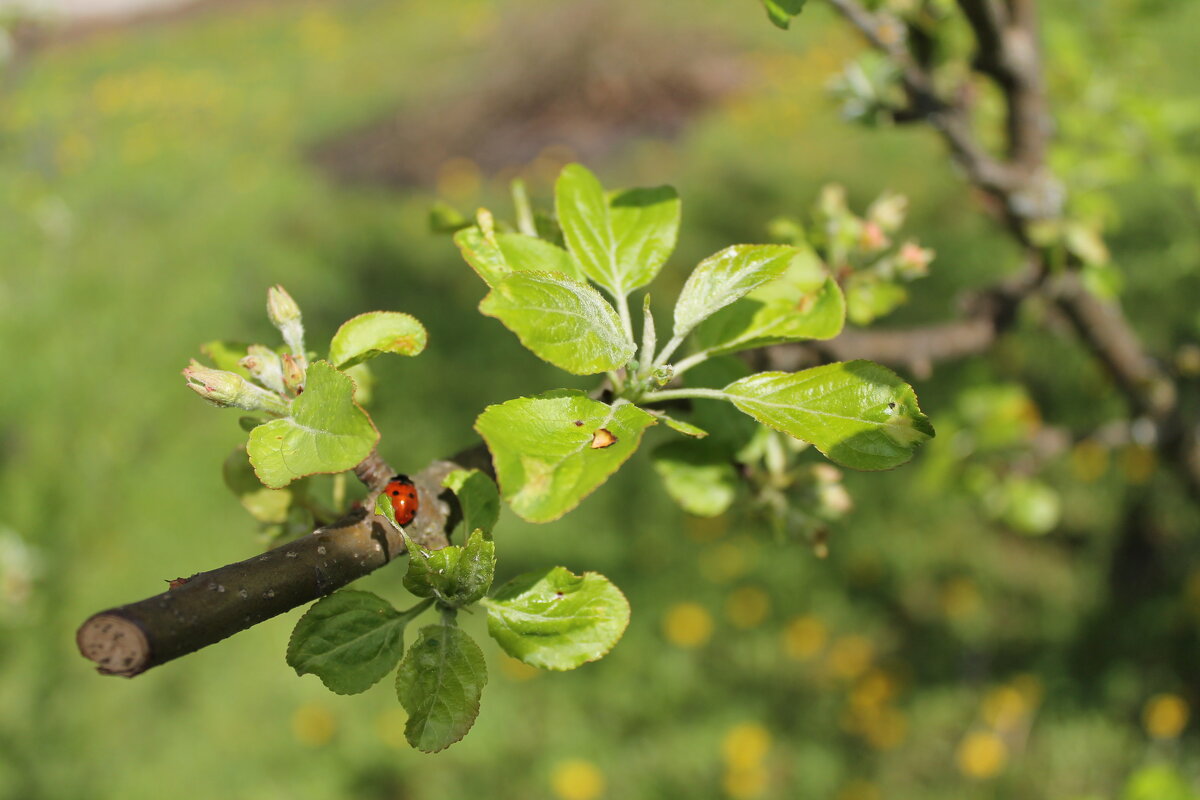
pixel 787 310
pixel 726 277
pixel 226 355
pixel 781 12
pixel 364 383
pixel 698 476
pixel 445 218
pixel 327 432
pixel 869 297
pixel 457 576
pixel 557 620
pixel 562 321
pixel 372 334
pixel 439 684
pixel 384 507
pixel 679 426
pixel 622 240
pixel 349 640
pixel 265 505
pixel 859 414
pixel 494 257
pixel 553 450
pixel 478 498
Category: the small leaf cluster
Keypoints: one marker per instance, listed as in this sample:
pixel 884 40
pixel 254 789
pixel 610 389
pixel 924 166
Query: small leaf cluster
pixel 305 414
pixel 992 453
pixel 798 498
pixel 546 279
pixel 861 252
pixel 550 619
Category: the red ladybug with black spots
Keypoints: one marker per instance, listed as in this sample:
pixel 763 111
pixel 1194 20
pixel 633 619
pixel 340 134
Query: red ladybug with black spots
pixel 403 494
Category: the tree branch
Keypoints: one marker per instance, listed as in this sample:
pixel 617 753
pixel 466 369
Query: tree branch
pixel 211 606
pixel 1007 51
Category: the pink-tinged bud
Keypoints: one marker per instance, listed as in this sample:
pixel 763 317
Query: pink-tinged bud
pixel 836 499
pixel 826 473
pixel 293 374
pixel 228 389
pixel 264 366
pixel 913 260
pixel 285 315
pixel 872 238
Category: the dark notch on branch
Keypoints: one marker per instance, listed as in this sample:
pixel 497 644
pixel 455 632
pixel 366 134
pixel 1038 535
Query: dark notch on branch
pixel 211 606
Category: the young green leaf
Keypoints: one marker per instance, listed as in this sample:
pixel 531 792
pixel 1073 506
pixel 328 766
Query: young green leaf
pixel 698 476
pixel 859 414
pixel 622 240
pixel 564 322
pixel 679 426
pixel 445 218
pixel 780 12
pixel 553 450
pixel 457 576
pixel 494 257
pixel 478 498
pixel 226 355
pixel 364 383
pixel 869 297
pixel 349 640
pixel 326 432
pixel 265 505
pixel 372 334
pixel 384 508
pixel 557 620
pixel 439 684
pixel 726 277
pixel 785 310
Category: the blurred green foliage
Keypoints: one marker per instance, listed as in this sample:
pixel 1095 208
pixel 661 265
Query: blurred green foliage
pixel 153 182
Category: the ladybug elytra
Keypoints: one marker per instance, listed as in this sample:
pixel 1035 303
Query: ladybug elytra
pixel 403 494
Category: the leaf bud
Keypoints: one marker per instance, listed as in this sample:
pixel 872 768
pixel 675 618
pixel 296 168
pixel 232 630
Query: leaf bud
pixel 293 374
pixel 228 389
pixel 913 260
pixel 285 315
pixel 888 211
pixel 264 366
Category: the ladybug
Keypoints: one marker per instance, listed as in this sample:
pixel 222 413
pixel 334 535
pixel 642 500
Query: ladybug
pixel 403 494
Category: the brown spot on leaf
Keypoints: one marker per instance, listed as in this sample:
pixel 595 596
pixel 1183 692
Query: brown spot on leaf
pixel 602 438
pixel 404 344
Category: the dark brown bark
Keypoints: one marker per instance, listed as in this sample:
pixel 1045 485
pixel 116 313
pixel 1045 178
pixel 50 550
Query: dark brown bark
pixel 211 606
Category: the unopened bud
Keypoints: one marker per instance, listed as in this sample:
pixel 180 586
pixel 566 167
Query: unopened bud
pixel 663 375
pixel 486 223
pixel 836 499
pixel 293 374
pixel 913 260
pixel 826 473
pixel 872 238
pixel 264 365
pixel 285 315
pixel 228 389
pixel 888 211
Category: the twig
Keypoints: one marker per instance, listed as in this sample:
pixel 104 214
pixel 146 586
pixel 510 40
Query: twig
pixel 210 606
